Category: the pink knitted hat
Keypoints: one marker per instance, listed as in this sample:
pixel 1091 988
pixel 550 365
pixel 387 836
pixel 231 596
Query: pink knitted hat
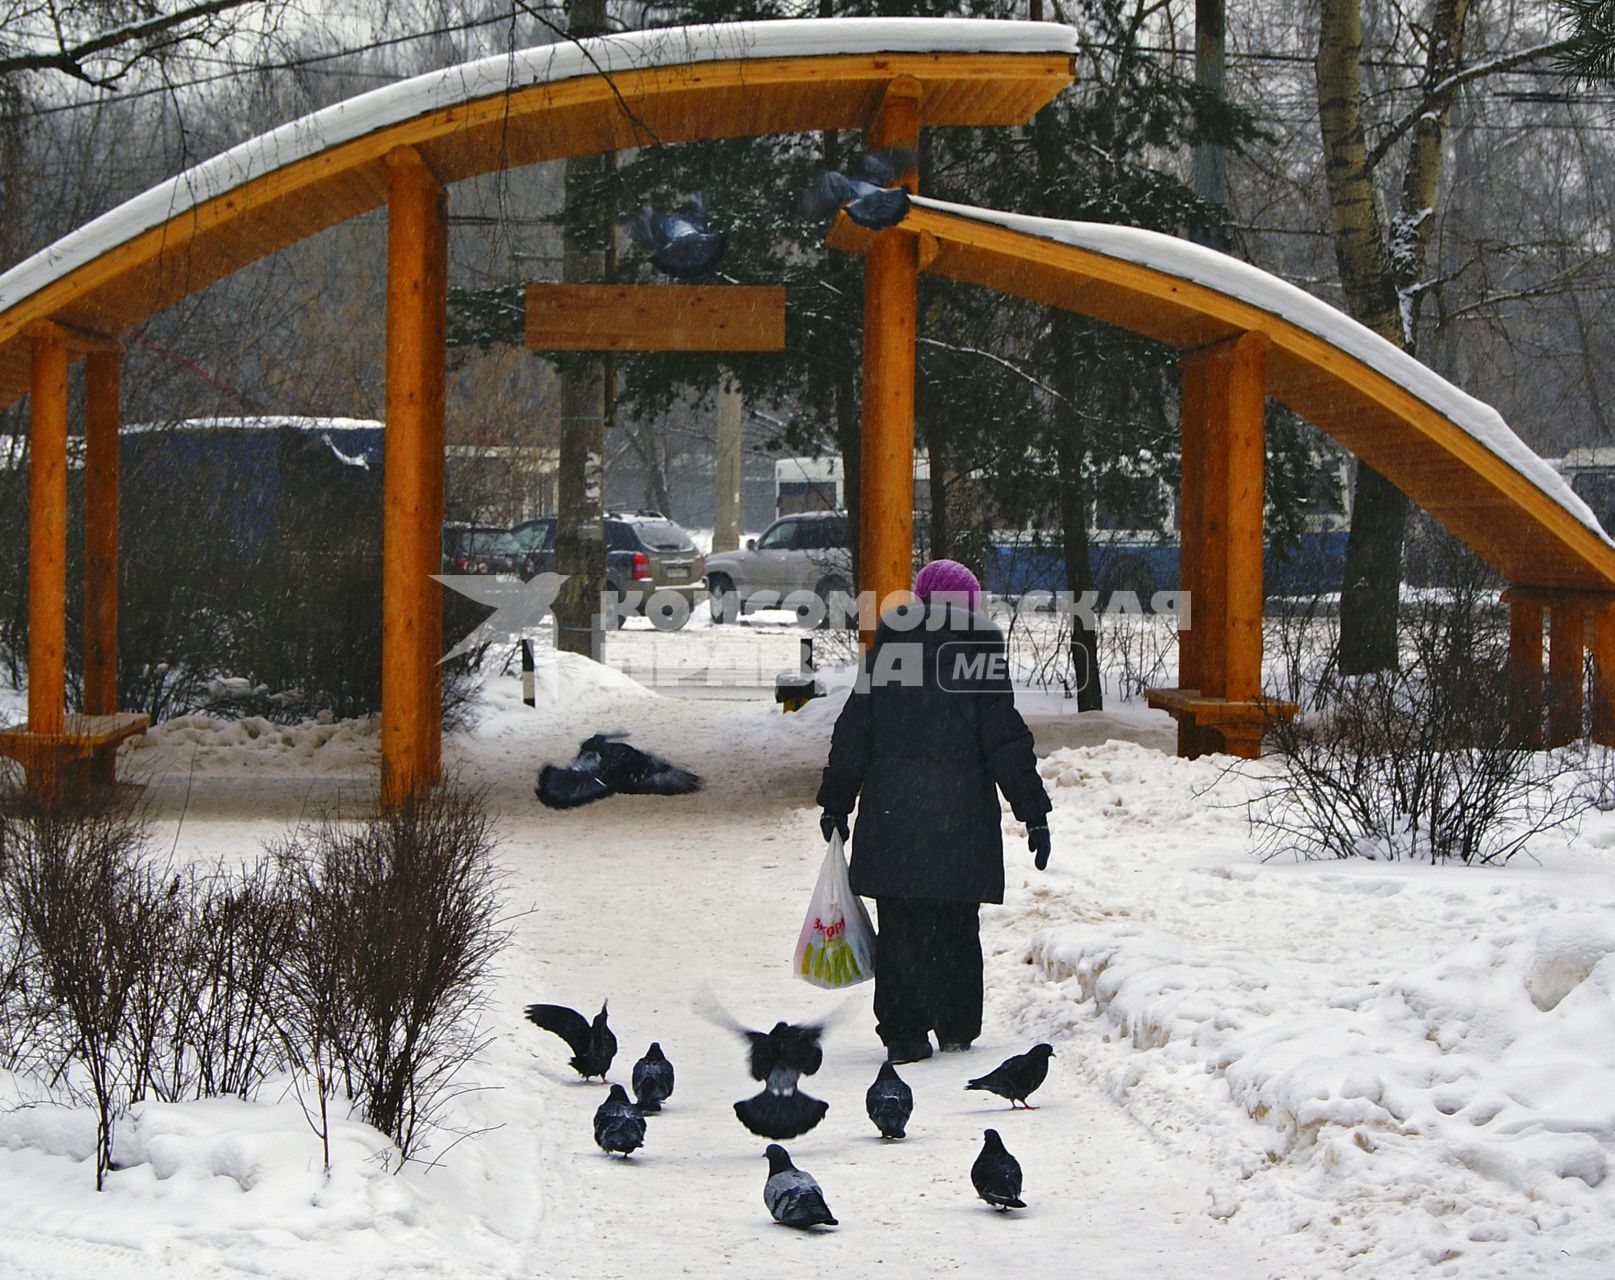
pixel 950 579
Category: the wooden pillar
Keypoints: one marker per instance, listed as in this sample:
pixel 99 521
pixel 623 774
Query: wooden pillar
pixel 1220 549
pixel 412 479
pixel 47 540
pixel 1567 639
pixel 101 421
pixel 1603 642
pixel 1525 669
pixel 886 457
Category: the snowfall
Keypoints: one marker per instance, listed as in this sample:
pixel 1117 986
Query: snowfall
pixel 1274 1069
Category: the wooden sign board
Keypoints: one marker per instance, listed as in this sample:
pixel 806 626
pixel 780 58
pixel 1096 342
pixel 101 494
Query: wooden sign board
pixel 655 317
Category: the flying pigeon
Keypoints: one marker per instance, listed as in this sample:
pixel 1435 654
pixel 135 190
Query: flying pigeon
pixel 606 766
pixel 792 1196
pixel 890 1102
pixel 653 1079
pixel 780 1115
pixel 679 243
pixel 592 1044
pixel 619 1126
pixel 866 195
pixel 1017 1078
pixel 996 1175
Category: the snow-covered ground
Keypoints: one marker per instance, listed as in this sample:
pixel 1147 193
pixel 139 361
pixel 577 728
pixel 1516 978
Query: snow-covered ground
pixel 1262 1070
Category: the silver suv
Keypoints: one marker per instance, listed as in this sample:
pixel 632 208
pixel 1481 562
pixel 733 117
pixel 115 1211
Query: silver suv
pixel 797 558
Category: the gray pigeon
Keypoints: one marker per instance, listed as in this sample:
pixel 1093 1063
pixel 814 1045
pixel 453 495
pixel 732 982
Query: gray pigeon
pixel 653 1079
pixel 679 243
pixel 592 1043
pixel 792 1196
pixel 1017 1077
pixel 890 1102
pixel 619 1125
pixel 996 1174
pixel 866 195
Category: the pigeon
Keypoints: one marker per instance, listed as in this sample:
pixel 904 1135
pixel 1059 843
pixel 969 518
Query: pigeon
pixel 890 1102
pixel 679 243
pixel 780 1115
pixel 996 1175
pixel 606 766
pixel 619 1125
pixel 779 1056
pixel 867 196
pixel 792 1196
pixel 653 1079
pixel 1018 1077
pixel 592 1044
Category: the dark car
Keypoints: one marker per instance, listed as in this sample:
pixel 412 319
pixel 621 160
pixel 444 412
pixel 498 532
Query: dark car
pixel 798 554
pixel 645 553
pixel 479 548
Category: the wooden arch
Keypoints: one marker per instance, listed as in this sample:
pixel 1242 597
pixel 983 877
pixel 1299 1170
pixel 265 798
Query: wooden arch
pixel 400 146
pixel 1244 335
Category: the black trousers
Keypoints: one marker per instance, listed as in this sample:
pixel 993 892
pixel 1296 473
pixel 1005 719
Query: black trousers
pixel 928 970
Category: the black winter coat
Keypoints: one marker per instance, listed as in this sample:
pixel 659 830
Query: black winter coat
pixel 926 735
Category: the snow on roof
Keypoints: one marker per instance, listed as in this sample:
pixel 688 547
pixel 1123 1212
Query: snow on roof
pixel 503 73
pixel 1251 284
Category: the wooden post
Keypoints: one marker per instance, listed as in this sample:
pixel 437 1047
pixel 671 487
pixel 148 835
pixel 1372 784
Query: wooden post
pixel 1245 410
pixel 886 457
pixel 1567 638
pixel 101 421
pixel 1525 669
pixel 1223 406
pixel 47 543
pixel 1604 675
pixel 1191 506
pixel 412 478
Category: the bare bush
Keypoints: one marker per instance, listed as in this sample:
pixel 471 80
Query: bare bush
pixel 395 929
pixel 1427 761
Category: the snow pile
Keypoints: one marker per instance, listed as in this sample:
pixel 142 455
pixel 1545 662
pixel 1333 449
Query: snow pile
pixel 1412 1065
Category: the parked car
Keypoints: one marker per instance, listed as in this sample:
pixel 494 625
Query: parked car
pixel 479 548
pixel 645 553
pixel 805 552
pixel 536 538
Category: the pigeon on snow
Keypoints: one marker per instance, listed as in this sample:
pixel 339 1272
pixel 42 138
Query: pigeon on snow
pixel 653 1079
pixel 792 1196
pixel 604 766
pixel 866 195
pixel 619 1126
pixel 678 243
pixel 778 1057
pixel 996 1175
pixel 890 1102
pixel 1018 1077
pixel 592 1044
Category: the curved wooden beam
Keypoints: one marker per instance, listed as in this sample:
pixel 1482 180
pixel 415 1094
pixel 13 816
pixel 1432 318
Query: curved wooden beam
pixel 671 85
pixel 1451 454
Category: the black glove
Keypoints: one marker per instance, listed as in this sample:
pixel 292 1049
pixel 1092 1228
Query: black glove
pixel 1037 840
pixel 833 824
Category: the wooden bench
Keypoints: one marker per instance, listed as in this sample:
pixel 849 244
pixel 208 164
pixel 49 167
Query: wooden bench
pixel 1207 724
pixel 68 764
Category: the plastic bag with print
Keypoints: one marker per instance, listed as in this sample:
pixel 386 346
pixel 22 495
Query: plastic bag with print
pixel 837 944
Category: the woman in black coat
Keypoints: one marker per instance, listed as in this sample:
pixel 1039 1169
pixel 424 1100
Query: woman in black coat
pixel 928 738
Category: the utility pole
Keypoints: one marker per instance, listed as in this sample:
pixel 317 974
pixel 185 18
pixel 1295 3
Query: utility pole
pixel 1210 76
pixel 580 548
pixel 726 468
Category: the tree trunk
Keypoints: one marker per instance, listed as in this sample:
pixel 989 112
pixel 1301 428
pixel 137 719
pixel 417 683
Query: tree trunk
pixel 1069 449
pixel 580 548
pixel 1380 275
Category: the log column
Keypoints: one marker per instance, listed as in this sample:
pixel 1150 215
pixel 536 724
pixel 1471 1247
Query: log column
pixel 1525 668
pixel 47 535
pixel 412 492
pixel 101 421
pixel 1603 641
pixel 886 458
pixel 1567 640
pixel 1193 741
pixel 1225 387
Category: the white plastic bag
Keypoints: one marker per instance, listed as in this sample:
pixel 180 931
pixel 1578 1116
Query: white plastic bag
pixel 837 944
